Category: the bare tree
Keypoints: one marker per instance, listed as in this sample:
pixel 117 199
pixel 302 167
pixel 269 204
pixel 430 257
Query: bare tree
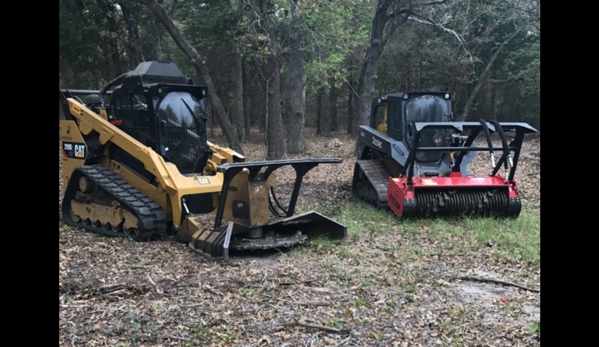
pixel 133 34
pixel 247 101
pixel 297 88
pixel 509 17
pixel 275 136
pixel 238 119
pixel 483 76
pixel 238 112
pixel 216 106
pixel 155 30
pixel 389 15
pixel 324 113
pixel 333 97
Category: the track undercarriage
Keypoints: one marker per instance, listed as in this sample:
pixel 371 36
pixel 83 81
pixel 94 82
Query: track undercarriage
pixel 98 200
pixel 369 186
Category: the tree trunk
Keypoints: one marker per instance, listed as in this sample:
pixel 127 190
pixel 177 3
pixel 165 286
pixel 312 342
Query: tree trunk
pixel 275 136
pixel 113 65
pixel 238 119
pixel 133 33
pixel 369 67
pixel 215 104
pixel 389 16
pixel 333 96
pixel 324 120
pixel 350 114
pixel 247 102
pixel 493 101
pixel 155 30
pixel 297 96
pixel 261 108
pixel 351 117
pixel 239 113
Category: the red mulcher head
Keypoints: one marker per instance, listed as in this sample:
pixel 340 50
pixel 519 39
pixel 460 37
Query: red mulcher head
pixel 456 195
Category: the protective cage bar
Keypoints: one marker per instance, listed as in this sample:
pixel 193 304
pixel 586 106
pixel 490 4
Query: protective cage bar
pixel 301 166
pixel 474 129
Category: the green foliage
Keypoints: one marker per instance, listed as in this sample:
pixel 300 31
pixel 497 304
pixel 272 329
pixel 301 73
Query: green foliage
pixel 338 322
pixel 326 53
pixel 359 302
pixel 509 238
pixel 360 219
pixel 94 47
pixel 535 329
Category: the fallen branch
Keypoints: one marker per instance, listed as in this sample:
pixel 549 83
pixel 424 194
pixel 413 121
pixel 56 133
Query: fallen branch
pixel 110 288
pixel 115 292
pixel 301 303
pixel 478 279
pixel 192 305
pixel 298 282
pixel 308 303
pixel 74 306
pixel 320 327
pixel 213 291
pixel 175 337
pixel 343 342
pixel 158 289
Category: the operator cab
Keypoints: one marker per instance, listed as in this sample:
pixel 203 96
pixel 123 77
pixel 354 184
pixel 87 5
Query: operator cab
pixel 161 108
pixel 395 114
pixel 181 123
pixel 428 108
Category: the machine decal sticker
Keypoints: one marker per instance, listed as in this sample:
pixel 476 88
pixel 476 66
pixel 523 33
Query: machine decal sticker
pixel 74 150
pixel 203 180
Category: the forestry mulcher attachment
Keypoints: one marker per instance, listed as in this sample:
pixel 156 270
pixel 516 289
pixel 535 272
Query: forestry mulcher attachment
pixel 413 159
pixel 141 167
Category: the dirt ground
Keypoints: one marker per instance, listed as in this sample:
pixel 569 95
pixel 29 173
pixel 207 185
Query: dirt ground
pixel 367 291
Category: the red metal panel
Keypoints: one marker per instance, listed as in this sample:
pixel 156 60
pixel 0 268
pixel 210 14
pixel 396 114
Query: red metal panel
pixel 466 182
pixel 400 190
pixel 395 196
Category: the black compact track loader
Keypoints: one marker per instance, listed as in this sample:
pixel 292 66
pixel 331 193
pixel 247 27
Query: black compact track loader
pixel 413 158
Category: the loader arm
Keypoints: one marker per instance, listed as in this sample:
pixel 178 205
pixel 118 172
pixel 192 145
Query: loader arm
pixel 168 178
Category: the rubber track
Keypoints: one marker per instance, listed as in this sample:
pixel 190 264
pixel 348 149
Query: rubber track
pixel 378 177
pixel 152 218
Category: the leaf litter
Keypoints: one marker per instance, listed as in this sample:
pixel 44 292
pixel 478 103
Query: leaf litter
pixel 116 292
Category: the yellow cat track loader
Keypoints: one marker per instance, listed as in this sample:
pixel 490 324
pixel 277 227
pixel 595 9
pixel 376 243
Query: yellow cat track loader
pixel 140 166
